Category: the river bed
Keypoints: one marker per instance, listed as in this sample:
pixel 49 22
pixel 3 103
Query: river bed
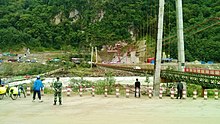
pixel 66 80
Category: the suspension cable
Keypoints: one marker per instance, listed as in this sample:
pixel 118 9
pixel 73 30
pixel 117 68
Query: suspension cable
pixel 195 27
pixel 203 29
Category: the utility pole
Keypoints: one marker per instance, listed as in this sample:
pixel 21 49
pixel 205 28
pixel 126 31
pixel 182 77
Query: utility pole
pixel 179 20
pixel 180 37
pixel 157 66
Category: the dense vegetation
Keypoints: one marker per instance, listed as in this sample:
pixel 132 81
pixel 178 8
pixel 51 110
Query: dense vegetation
pixel 78 24
pixel 18 69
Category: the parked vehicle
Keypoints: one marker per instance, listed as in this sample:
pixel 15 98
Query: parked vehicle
pixel 33 61
pixel 54 60
pixel 166 60
pixel 9 54
pixel 77 60
pixel 27 61
pixel 12 60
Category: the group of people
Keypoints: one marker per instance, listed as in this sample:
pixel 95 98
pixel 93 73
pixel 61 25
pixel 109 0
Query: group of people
pixel 57 86
pixel 179 89
pixel 38 86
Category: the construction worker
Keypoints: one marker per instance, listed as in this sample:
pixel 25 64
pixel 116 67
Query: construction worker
pixel 57 91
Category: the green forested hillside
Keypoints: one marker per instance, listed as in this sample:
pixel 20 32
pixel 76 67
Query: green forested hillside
pixel 78 24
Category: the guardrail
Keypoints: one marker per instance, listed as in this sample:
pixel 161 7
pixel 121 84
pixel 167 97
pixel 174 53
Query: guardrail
pixel 203 71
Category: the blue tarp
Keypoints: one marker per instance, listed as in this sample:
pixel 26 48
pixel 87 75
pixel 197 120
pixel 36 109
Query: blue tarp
pixel 210 62
pixel 202 62
pixel 167 59
pixel 152 61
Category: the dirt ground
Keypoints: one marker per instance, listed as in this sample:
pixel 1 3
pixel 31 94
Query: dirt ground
pixel 110 110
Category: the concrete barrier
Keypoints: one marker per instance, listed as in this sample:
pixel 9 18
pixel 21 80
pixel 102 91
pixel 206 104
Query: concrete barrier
pixel 216 94
pixel 68 91
pixel 127 91
pixel 93 91
pixel 106 92
pixel 28 91
pixel 184 93
pixel 205 95
pixel 172 93
pixel 80 91
pixel 194 94
pixel 161 93
pixel 150 93
pixel 117 92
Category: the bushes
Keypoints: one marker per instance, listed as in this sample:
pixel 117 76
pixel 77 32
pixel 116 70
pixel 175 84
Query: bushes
pixel 191 88
pixel 12 69
pixel 84 64
pixel 8 70
pixel 108 82
pixel 48 90
pixel 76 83
pixel 99 85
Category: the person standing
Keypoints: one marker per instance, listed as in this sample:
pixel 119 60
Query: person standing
pixel 57 91
pixel 2 83
pixel 38 86
pixel 179 90
pixel 137 87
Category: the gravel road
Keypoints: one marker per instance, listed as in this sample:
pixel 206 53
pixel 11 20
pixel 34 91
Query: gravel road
pixel 110 110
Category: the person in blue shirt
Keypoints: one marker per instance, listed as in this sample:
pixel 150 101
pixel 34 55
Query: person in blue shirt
pixel 38 86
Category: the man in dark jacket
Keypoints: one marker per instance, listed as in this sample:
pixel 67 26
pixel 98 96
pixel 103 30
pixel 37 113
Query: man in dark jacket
pixel 38 86
pixel 179 90
pixel 137 87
